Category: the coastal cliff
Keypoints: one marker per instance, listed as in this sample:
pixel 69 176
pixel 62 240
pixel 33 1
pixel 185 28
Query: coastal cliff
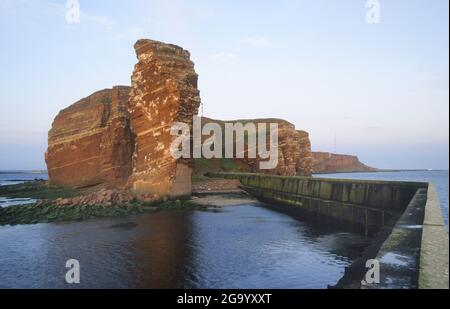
pixel 120 138
pixel 163 91
pixel 90 142
pixel 326 162
pixel 294 151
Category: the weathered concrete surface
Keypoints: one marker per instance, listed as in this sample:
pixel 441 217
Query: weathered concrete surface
pixel 399 255
pixel 225 199
pixel 389 195
pixel 434 255
pixel 368 204
pixel 412 244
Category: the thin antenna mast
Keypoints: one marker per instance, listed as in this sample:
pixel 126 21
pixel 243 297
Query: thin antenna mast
pixel 335 143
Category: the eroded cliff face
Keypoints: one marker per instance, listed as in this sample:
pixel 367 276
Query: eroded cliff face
pixel 163 91
pixel 325 162
pixel 120 138
pixel 294 151
pixel 295 155
pixel 90 142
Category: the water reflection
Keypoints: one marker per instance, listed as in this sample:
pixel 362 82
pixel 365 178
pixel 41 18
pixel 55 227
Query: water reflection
pixel 240 247
pixel 266 249
pixel 162 248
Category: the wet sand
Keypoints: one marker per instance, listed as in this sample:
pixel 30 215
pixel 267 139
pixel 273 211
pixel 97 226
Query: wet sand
pixel 220 192
pixel 224 199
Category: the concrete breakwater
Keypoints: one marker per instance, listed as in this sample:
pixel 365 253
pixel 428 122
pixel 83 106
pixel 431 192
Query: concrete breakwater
pixel 409 237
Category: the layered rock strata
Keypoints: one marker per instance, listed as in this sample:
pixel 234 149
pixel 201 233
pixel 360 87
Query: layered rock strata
pixel 90 142
pixel 294 150
pixel 325 162
pixel 163 91
pixel 120 138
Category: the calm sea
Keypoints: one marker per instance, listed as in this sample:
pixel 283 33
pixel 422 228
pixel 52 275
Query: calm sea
pixel 247 246
pixel 16 177
pixel 243 246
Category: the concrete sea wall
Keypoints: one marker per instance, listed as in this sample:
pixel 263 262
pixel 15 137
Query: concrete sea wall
pixel 366 205
pixel 434 255
pixel 410 240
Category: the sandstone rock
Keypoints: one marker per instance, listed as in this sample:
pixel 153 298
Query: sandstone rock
pixel 294 152
pixel 295 155
pixel 217 185
pixel 120 138
pixel 107 197
pixel 90 142
pixel 102 197
pixel 163 91
pixel 149 198
pixel 325 162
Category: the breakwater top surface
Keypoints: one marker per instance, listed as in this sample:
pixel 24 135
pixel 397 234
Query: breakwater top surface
pixel 440 178
pixel 404 217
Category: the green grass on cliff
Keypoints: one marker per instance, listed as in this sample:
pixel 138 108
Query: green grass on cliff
pixel 228 165
pixel 203 166
pixel 199 178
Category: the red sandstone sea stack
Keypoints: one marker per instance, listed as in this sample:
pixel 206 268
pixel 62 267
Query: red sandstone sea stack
pixel 120 138
pixel 163 91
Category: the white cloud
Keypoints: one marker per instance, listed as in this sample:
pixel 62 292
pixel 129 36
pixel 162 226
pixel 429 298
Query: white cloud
pixel 101 20
pixel 129 33
pixel 224 56
pixel 38 8
pixel 258 41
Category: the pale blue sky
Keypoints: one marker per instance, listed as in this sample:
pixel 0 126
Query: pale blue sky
pixel 381 89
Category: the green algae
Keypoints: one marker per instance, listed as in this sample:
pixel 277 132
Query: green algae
pixel 46 210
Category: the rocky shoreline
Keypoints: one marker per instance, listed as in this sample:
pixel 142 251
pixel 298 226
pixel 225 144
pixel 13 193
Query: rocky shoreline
pixel 57 204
